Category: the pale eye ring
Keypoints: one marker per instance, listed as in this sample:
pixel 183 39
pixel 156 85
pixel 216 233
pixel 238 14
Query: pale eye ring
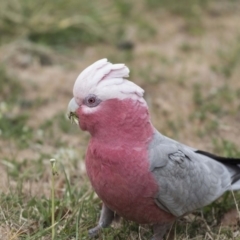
pixel 91 100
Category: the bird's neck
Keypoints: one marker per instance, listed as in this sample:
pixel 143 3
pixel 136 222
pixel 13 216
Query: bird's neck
pixel 128 123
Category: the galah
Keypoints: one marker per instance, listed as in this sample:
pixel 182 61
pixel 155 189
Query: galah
pixel 138 173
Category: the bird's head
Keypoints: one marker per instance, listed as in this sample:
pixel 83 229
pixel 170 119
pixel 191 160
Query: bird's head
pixel 103 98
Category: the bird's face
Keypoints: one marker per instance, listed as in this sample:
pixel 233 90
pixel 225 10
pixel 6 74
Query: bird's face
pixel 84 111
pixel 102 96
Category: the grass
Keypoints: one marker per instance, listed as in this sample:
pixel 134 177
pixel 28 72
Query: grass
pixel 58 23
pixel 230 60
pixel 61 24
pixel 185 55
pixel 11 88
pixel 191 11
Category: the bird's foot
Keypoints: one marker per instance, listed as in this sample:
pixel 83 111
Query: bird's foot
pixel 94 231
pixel 106 218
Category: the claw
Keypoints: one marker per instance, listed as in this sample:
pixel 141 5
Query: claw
pixel 94 231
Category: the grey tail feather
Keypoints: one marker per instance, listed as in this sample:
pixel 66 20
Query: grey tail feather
pixel 232 163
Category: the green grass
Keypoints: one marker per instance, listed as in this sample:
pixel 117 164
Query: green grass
pixel 57 23
pixel 77 209
pixel 190 10
pixel 61 23
pixel 11 125
pixel 230 60
pixel 218 102
pixel 29 217
pixel 11 89
pixel 16 128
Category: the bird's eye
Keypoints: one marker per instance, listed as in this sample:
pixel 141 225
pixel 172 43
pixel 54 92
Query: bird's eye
pixel 92 100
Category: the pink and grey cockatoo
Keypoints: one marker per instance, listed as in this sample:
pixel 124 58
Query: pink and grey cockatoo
pixel 138 173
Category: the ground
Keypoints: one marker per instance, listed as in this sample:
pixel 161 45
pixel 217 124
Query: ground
pixel 187 58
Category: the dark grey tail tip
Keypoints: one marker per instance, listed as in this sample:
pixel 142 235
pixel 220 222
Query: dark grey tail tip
pixel 226 160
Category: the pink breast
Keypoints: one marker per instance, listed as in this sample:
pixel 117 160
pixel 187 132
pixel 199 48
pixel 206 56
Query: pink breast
pixel 122 179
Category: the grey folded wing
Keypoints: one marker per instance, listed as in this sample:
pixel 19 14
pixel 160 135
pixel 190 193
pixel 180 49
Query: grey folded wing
pixel 186 180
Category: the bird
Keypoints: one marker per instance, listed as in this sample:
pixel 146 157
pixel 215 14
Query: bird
pixel 138 173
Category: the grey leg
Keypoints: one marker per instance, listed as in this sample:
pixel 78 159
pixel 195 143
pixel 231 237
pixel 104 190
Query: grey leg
pixel 159 230
pixel 105 220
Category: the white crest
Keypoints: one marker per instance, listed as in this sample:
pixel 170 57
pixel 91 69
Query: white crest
pixel 107 81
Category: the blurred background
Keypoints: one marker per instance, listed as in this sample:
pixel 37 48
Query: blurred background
pixel 185 54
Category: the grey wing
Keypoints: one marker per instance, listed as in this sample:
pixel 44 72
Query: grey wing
pixel 186 180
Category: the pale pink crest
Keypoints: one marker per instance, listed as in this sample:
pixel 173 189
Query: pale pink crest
pixel 107 81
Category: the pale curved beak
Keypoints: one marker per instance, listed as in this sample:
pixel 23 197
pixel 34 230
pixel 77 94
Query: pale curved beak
pixel 71 111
